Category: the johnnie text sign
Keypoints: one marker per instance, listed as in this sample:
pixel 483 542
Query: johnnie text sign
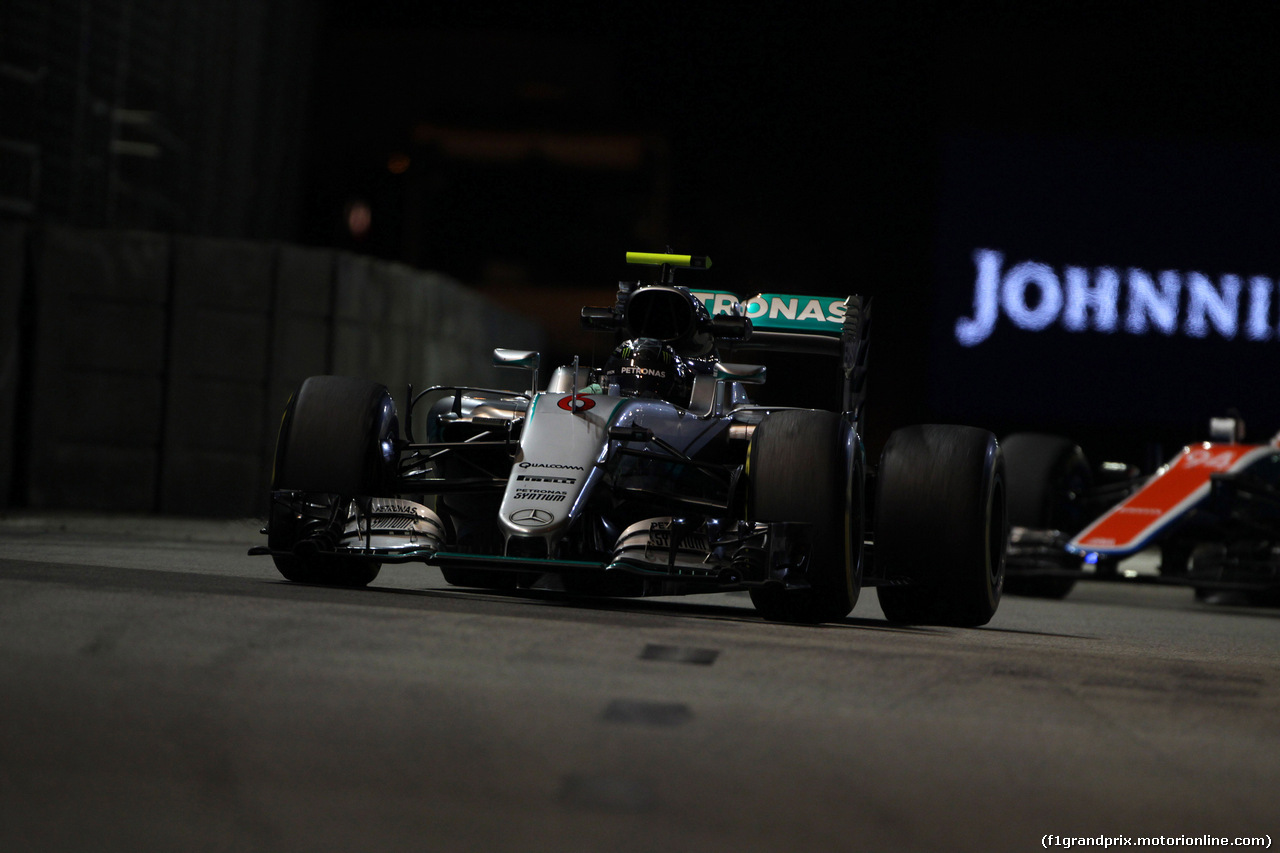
pixel 1033 296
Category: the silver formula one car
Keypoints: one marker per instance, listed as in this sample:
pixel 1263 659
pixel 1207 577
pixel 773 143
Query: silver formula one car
pixel 654 474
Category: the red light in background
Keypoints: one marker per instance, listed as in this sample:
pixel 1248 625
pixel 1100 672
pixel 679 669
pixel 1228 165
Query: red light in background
pixel 359 218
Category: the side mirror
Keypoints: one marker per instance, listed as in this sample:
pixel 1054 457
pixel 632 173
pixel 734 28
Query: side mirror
pixel 725 327
pixel 747 374
pixel 600 319
pixel 1228 430
pixel 524 358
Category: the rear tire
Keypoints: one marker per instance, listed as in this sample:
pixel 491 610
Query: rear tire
pixel 1046 475
pixel 941 526
pixel 805 466
pixel 337 442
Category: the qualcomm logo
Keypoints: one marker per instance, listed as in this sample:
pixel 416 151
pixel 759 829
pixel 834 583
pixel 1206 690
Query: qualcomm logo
pixel 1034 296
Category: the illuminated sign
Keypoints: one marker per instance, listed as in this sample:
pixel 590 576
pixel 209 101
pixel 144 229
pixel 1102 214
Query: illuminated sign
pixel 1033 296
pixel 1126 286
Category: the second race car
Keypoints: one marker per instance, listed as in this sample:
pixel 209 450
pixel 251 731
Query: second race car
pixel 1212 513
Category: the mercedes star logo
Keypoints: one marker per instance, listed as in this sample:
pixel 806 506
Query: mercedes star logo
pixel 531 517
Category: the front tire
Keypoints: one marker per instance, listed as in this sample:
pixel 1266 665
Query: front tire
pixel 805 466
pixel 1047 476
pixel 337 442
pixel 941 526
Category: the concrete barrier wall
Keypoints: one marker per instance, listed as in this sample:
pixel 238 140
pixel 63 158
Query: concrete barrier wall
pixel 161 364
pixel 301 334
pixel 433 329
pixel 13 258
pixel 98 394
pixel 220 325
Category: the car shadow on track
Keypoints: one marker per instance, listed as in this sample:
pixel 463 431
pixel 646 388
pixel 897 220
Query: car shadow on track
pixel 681 608
pixel 677 607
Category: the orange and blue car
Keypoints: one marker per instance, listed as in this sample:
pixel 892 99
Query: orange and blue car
pixel 1211 513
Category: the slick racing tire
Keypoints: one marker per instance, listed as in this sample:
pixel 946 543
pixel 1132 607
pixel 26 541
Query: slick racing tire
pixel 806 467
pixel 1046 477
pixel 941 526
pixel 337 443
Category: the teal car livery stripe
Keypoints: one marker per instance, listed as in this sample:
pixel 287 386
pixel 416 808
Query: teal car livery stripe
pixel 781 311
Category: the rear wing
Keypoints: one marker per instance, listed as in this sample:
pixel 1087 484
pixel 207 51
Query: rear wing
pixel 806 325
pixel 821 315
pixel 765 323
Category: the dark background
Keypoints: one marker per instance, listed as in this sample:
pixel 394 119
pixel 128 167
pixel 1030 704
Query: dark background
pixel 806 147
pixel 1206 206
pixel 833 148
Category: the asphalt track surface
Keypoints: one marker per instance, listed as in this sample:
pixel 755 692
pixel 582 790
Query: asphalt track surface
pixel 160 690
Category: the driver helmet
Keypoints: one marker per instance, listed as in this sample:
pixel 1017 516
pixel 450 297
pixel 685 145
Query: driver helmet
pixel 645 367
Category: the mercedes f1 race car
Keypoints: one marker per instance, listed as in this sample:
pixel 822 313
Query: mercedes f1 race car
pixel 653 474
pixel 1212 512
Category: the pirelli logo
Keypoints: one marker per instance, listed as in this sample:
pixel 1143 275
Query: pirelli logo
pixel 693 542
pixel 538 479
pixel 548 495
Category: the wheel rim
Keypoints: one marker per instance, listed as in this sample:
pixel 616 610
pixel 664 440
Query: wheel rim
pixel 997 534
